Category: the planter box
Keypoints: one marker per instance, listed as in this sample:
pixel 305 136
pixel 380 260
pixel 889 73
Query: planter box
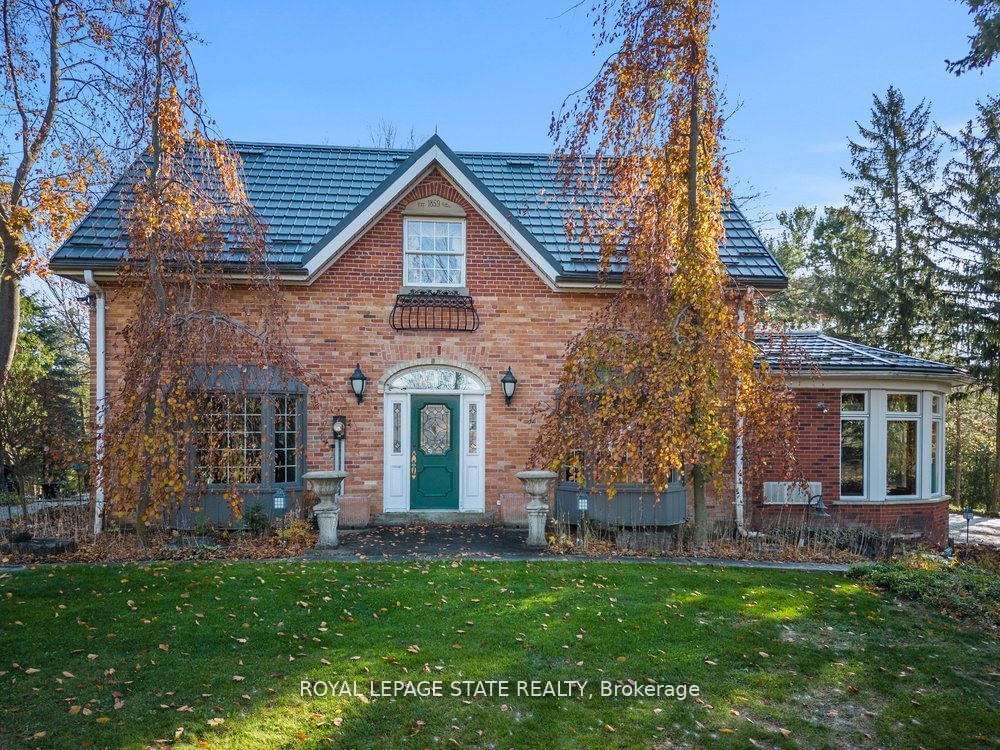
pixel 634 505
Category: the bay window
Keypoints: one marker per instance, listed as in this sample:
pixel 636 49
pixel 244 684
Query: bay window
pixel 853 443
pixel 937 444
pixel 891 445
pixel 249 440
pixel 902 458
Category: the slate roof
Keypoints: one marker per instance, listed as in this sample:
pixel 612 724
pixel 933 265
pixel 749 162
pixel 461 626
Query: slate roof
pixel 304 192
pixel 816 349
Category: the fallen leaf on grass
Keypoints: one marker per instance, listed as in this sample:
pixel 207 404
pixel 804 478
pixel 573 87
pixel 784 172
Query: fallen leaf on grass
pixel 216 721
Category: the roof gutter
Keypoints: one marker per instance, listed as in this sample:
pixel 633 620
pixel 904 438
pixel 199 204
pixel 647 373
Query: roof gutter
pixel 100 335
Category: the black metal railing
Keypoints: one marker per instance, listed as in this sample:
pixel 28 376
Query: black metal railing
pixel 434 310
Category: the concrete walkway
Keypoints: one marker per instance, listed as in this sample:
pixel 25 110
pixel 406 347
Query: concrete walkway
pixel 497 543
pixel 982 530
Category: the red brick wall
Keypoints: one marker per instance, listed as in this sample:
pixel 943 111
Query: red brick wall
pixel 342 319
pixel 819 461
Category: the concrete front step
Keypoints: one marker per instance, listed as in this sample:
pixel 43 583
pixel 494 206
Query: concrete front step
pixel 433 518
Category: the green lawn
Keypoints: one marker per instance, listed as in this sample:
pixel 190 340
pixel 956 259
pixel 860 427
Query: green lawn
pixel 130 657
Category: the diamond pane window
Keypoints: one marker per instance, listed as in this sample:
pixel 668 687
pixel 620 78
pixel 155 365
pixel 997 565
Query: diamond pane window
pixel 435 429
pixel 473 428
pixel 397 428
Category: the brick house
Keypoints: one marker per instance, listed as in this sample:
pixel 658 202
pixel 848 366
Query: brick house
pixel 434 274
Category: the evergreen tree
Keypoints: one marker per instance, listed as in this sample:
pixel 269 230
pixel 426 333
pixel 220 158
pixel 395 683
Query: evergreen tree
pixel 968 228
pixel 892 164
pixel 42 405
pixel 792 307
pixel 845 264
pixel 984 44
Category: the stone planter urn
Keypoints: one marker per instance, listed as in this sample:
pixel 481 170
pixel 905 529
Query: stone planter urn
pixel 326 485
pixel 537 484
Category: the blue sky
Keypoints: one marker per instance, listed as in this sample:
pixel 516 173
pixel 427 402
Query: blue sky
pixel 487 75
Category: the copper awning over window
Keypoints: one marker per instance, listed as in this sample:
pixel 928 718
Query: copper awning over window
pixel 434 310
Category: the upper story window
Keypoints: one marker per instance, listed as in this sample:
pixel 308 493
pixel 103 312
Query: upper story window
pixel 433 243
pixel 435 253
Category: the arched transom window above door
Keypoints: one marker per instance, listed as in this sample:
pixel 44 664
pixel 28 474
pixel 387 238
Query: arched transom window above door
pixel 435 378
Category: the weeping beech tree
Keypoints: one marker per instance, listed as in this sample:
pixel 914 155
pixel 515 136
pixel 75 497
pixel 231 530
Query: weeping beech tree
pixel 193 334
pixel 668 372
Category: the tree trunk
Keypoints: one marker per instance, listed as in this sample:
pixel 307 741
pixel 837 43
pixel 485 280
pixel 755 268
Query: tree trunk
pixel 700 502
pixel 10 308
pixel 995 493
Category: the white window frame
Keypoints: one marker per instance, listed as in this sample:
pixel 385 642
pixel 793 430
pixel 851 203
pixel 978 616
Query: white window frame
pixel 864 418
pixel 939 420
pixel 407 253
pixel 922 426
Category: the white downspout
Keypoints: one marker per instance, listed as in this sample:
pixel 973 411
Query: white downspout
pixel 740 500
pixel 101 394
pixel 740 522
pixel 738 479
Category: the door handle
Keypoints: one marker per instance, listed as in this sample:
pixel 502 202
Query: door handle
pixel 413 465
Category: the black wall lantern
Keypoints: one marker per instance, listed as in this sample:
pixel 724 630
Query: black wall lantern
pixel 358 380
pixel 509 383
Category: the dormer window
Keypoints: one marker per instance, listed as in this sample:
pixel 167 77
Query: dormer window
pixel 433 244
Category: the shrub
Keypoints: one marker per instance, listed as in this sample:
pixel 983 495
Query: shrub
pixel 964 590
pixel 298 533
pixel 257 521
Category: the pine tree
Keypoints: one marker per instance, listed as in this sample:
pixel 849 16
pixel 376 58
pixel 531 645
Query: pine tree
pixel 892 164
pixel 968 227
pixel 844 263
pixel 984 44
pixel 792 307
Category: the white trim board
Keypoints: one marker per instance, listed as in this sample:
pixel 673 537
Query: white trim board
pixel 434 156
pixel 472 466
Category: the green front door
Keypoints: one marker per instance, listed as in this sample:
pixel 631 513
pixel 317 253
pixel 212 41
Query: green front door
pixel 434 452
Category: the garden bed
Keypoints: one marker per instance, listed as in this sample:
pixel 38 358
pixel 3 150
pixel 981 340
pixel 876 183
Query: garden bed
pixel 968 590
